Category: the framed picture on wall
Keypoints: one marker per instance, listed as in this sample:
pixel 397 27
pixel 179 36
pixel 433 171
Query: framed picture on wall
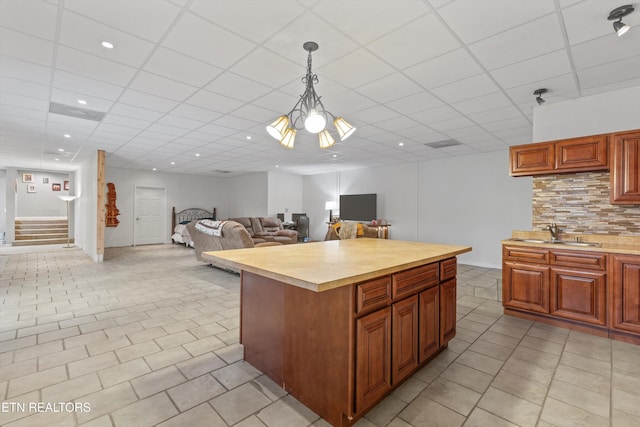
pixel 45 180
pixel 27 177
pixel 56 187
pixel 66 185
pixel 31 188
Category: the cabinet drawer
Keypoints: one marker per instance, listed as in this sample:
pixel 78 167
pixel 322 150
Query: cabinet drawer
pixel 373 294
pixel 590 260
pixel 448 269
pixel 524 254
pixel 414 280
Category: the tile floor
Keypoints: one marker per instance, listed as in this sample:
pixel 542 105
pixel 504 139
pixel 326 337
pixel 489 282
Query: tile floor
pixel 150 337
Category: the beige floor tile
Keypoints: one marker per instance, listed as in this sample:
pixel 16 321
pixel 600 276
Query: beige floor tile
pixel 590 401
pixel 586 364
pixel 167 357
pixel 194 392
pixel 564 415
pixel 528 370
pixel 174 340
pixel 589 350
pixel 547 335
pixel 481 418
pixel 14 412
pixel 84 339
pixel 137 350
pixel 524 388
pixel 423 411
pixel 106 401
pixel 109 344
pixel 146 335
pixel 157 381
pixel 239 403
pixel 621 419
pixel 200 365
pixel 145 412
pixel 587 380
pixel 478 361
pixel 468 377
pixel 629 403
pixel 287 412
pixel 492 350
pixel 452 395
pixel 36 380
pixel 123 372
pixel 510 407
pixel 200 416
pixel 538 357
pixel 500 339
pixel 236 374
pixel 16 370
pixel 69 390
pixel 92 364
pixel 384 412
pixel 409 389
pixel 45 419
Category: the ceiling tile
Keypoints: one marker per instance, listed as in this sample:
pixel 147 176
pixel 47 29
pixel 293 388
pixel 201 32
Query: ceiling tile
pixel 587 20
pixel 420 101
pixel 160 86
pixel 389 88
pixel 374 114
pixel 214 101
pixel 366 20
pixel 436 114
pixel 176 66
pixel 192 35
pixel 496 115
pixel 397 123
pixel 466 89
pixel 195 113
pixel 135 112
pixel 148 101
pixel 22 70
pixel 263 21
pixel 559 87
pixel 77 62
pixel 610 48
pixel 446 125
pixel 20 87
pixel 32 17
pixel 75 83
pixel 125 121
pixel 85 34
pixel 274 70
pixel 125 15
pixel 533 70
pixel 357 68
pixel 606 74
pixel 71 98
pixel 482 103
pixel 238 87
pixel 410 44
pixel 444 69
pixel 526 41
pixel 26 47
pixel 474 20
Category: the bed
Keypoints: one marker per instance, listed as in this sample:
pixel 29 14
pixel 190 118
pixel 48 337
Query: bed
pixel 179 220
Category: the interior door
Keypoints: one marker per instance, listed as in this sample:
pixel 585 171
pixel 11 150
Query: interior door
pixel 150 215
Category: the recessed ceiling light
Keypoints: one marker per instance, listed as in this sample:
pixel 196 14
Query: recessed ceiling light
pixel 334 156
pixel 66 135
pixel 61 149
pixel 197 154
pixel 107 44
pixel 248 136
pixel 173 163
pixel 154 169
pixel 277 166
pixel 57 160
pixel 401 144
pixel 82 101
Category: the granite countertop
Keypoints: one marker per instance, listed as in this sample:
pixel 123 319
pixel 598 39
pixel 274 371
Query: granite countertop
pixel 604 243
pixel 320 266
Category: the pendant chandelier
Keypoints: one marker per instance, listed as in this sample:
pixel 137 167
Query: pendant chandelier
pixel 309 113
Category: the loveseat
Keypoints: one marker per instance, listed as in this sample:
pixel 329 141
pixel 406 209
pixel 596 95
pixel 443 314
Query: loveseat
pixel 267 229
pixel 232 236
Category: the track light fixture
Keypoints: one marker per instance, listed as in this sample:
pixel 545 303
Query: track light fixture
pixel 538 93
pixel 309 113
pixel 616 15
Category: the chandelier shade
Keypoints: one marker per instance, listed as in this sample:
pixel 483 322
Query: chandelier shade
pixel 309 114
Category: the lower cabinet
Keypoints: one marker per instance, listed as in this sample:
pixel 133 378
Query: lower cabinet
pixel 373 357
pixel 429 319
pixel 404 346
pixel 626 293
pixel 447 311
pixel 525 287
pixel 578 295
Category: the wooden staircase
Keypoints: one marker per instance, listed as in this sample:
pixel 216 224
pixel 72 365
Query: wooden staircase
pixel 41 231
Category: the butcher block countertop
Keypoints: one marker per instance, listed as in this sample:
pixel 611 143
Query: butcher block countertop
pixel 320 266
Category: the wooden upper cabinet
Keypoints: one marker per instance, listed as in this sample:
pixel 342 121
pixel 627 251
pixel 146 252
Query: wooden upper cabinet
pixel 625 161
pixel 584 154
pixel 532 159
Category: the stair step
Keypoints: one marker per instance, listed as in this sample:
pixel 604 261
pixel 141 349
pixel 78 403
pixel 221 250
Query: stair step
pixel 41 236
pixel 41 242
pixel 41 230
pixel 39 225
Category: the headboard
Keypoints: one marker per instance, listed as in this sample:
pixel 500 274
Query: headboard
pixel 189 214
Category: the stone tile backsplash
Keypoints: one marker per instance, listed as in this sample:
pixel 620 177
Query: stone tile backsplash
pixel 579 203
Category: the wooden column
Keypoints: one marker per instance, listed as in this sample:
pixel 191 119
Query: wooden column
pixel 100 224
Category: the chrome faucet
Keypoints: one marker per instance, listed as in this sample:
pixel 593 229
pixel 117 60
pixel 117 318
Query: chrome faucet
pixel 554 230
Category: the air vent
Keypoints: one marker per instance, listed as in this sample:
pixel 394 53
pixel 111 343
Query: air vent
pixel 78 113
pixel 59 154
pixel 221 171
pixel 442 144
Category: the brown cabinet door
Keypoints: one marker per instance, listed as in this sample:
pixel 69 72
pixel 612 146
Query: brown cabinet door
pixel 578 295
pixel 626 293
pixel 447 311
pixel 404 345
pixel 625 160
pixel 429 323
pixel 582 154
pixel 525 287
pixel 532 159
pixel 373 357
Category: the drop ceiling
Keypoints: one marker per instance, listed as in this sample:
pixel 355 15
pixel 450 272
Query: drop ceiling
pixel 191 84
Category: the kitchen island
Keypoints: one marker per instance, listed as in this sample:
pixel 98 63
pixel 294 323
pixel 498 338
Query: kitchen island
pixel 340 324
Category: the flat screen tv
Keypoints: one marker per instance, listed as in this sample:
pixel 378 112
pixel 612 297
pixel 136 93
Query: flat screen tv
pixel 358 207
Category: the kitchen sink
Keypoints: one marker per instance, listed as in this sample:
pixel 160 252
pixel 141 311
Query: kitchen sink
pixel 577 243
pixel 531 240
pixel 557 242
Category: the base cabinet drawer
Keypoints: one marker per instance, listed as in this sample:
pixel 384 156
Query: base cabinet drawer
pixel 525 287
pixel 578 295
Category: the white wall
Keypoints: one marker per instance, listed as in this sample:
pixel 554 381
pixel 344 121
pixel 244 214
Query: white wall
pixel 85 207
pixel 183 191
pixel 590 115
pixel 468 200
pixel 3 202
pixel 284 194
pixel 45 201
pixel 248 195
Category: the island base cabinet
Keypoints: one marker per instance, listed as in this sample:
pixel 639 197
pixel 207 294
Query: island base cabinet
pixel 447 311
pixel 373 353
pixel 626 293
pixel 429 318
pixel 404 346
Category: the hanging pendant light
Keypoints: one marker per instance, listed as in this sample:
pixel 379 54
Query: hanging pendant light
pixel 309 113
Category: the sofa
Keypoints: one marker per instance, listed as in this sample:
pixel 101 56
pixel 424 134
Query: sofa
pixel 267 229
pixel 232 236
pixel 338 231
